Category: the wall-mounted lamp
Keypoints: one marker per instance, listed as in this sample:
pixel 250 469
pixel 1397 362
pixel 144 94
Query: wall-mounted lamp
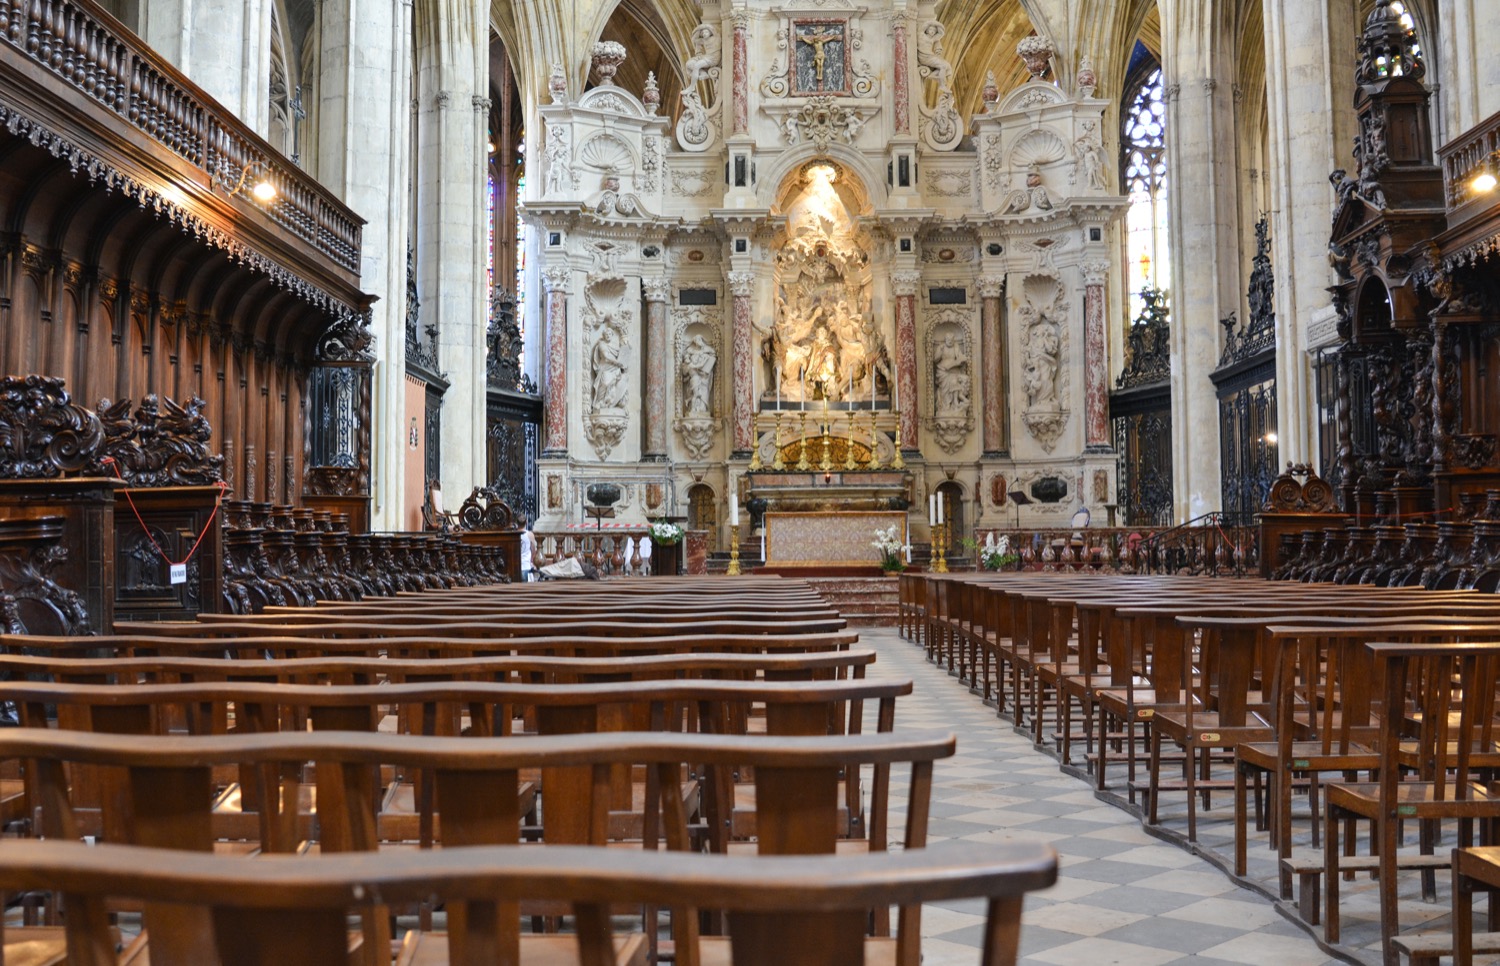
pixel 1484 182
pixel 253 176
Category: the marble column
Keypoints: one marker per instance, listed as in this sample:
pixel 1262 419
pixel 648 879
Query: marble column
pixel 362 154
pixel 1096 434
pixel 992 350
pixel 555 379
pixel 452 63
pixel 1310 125
pixel 741 287
pixel 900 84
pixel 232 65
pixel 904 285
pixel 741 74
pixel 655 291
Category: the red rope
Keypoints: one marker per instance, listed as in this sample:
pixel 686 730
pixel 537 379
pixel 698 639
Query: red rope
pixel 223 488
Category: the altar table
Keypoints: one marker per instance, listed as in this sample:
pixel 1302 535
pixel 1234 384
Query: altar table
pixel 829 538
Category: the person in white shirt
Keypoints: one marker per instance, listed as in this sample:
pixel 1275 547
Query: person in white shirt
pixel 528 551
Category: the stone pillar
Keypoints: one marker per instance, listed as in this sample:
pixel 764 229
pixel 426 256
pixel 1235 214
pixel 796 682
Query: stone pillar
pixel 1205 262
pixel 900 84
pixel 741 74
pixel 1096 434
pixel 452 60
pixel 234 65
pixel 656 291
pixel 555 379
pixel 904 284
pixel 1311 128
pixel 364 132
pixel 741 287
pixel 992 349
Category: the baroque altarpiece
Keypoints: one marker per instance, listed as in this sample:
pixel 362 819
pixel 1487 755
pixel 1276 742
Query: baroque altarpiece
pixel 825 274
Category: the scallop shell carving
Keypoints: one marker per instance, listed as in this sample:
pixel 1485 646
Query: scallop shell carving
pixel 1039 148
pixel 607 152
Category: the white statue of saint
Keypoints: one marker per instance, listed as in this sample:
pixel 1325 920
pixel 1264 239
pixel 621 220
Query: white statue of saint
pixel 609 372
pixel 698 361
pixel 930 59
pixel 952 378
pixel 706 55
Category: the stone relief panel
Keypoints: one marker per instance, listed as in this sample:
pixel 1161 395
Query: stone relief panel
pixel 697 343
pixel 1042 320
pixel 950 386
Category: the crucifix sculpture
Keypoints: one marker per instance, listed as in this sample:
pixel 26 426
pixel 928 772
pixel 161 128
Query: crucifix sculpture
pixel 816 42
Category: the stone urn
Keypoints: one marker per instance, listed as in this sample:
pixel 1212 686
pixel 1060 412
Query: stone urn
pixel 651 96
pixel 1087 79
pixel 557 84
pixel 990 92
pixel 608 56
pixel 1035 51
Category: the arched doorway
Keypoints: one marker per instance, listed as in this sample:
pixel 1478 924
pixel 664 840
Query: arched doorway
pixel 703 512
pixel 952 494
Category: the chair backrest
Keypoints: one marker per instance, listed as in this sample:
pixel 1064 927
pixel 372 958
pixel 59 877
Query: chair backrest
pixel 287 911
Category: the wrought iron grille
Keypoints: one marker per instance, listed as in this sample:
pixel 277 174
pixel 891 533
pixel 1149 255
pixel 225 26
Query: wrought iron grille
pixel 1247 449
pixel 504 344
pixel 1259 333
pixel 512 435
pixel 433 431
pixel 419 351
pixel 1148 342
pixel 335 397
pixel 1143 441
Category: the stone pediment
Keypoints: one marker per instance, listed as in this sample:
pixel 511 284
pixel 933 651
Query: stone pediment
pixel 612 100
pixel 1031 96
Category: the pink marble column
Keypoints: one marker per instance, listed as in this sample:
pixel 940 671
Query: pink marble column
pixel 899 80
pixel 555 280
pixel 905 286
pixel 655 291
pixel 996 386
pixel 741 284
pixel 741 75
pixel 1097 436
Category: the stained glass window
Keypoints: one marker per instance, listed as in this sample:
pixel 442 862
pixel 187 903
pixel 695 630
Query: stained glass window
pixel 1145 179
pixel 521 238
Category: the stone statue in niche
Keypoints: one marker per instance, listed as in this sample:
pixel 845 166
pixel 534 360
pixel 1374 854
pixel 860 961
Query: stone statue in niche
pixel 951 372
pixel 698 362
pixel 609 386
pixel 704 64
pixel 1039 377
pixel 824 344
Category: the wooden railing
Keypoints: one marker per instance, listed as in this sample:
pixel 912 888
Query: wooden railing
pixel 1466 156
pixel 87 49
pixel 1209 550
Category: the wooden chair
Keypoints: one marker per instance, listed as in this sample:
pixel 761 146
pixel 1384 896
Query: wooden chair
pixel 1447 693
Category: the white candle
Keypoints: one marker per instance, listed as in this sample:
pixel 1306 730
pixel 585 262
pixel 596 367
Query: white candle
pixel 802 378
pixel 940 510
pixel 778 389
pixel 734 509
pixel 872 388
pixel 897 381
pixel 850 397
pixel 932 509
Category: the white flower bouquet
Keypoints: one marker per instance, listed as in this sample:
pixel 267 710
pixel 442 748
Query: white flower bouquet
pixel 665 533
pixel 892 551
pixel 996 556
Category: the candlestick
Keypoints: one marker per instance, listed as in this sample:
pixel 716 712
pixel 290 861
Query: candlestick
pixel 939 549
pixel 755 462
pixel 778 463
pixel 898 463
pixel 849 463
pixel 875 463
pixel 802 463
pixel 734 551
pixel 827 463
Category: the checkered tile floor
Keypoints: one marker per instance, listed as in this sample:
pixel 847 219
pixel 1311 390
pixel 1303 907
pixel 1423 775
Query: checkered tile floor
pixel 1124 897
